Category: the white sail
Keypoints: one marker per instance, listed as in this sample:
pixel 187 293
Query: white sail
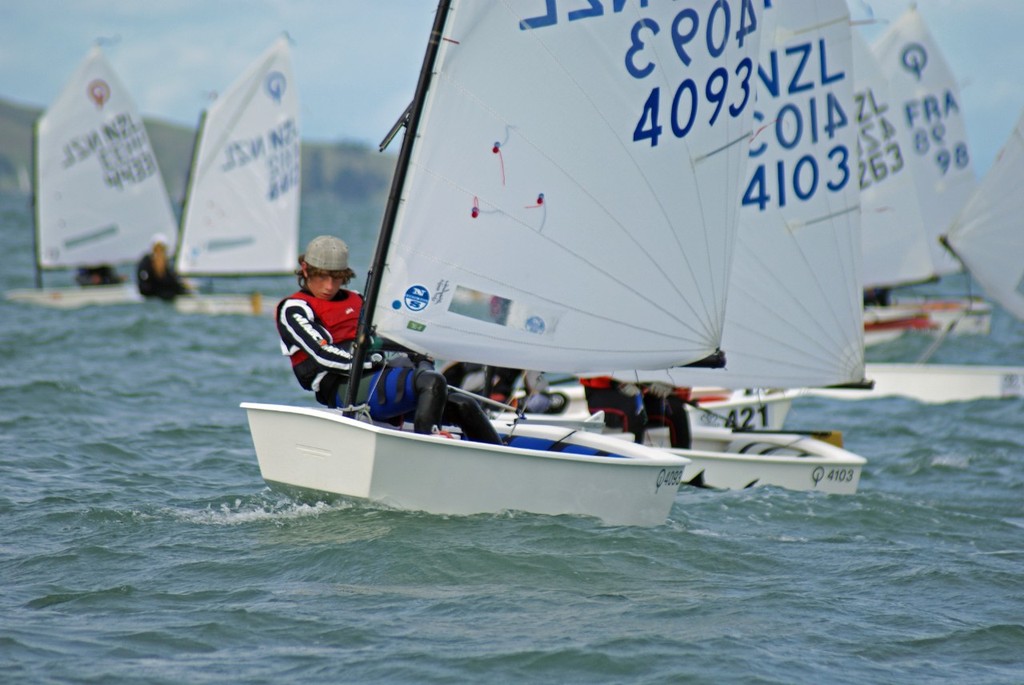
pixel 925 93
pixel 896 248
pixel 571 198
pixel 794 317
pixel 241 212
pixel 99 193
pixel 987 234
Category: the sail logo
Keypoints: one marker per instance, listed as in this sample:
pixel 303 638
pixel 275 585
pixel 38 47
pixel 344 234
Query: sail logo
pixel 99 92
pixel 275 84
pixel 416 298
pixel 914 58
pixel 535 324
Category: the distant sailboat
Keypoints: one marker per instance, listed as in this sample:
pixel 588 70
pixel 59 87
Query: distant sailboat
pixel 891 250
pixel 895 247
pixel 929 122
pixel 241 211
pixel 988 236
pixel 99 194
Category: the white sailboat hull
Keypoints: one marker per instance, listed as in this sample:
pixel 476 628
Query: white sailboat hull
pixel 935 317
pixel 734 460
pixel 323 451
pixel 884 324
pixel 253 304
pixel 728 459
pixel 73 298
pixel 935 383
pixel 960 317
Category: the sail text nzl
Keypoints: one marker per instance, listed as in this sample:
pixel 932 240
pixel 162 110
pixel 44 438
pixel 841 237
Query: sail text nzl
pixel 686 18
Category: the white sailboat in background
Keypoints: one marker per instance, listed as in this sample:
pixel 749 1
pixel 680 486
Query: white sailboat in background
pixel 987 236
pixel 99 194
pixel 924 93
pixel 598 153
pixel 895 246
pixel 794 314
pixel 241 210
pixel 990 213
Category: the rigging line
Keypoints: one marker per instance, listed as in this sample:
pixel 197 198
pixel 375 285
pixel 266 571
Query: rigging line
pixel 845 19
pixel 833 311
pixel 742 138
pixel 826 217
pixel 760 271
pixel 941 338
pixel 486 400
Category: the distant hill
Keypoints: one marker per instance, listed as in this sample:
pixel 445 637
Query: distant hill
pixel 345 170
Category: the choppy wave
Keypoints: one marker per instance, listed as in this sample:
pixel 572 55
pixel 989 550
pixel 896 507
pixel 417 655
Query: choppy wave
pixel 138 542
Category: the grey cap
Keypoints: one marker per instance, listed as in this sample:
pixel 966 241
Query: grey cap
pixel 328 253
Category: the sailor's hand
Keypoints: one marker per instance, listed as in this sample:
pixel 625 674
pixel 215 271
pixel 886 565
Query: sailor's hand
pixel 660 390
pixel 629 389
pixel 421 362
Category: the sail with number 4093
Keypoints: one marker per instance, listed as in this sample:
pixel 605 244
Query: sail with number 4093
pixel 571 201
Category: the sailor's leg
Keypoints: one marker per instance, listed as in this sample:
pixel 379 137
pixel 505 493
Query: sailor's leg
pixel 467 414
pixel 431 393
pixel 670 412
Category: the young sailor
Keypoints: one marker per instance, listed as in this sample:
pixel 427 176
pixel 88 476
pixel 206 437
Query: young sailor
pixel 635 407
pixel 317 325
pixel 155 273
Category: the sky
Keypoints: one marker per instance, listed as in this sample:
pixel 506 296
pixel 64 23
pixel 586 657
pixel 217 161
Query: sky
pixel 356 61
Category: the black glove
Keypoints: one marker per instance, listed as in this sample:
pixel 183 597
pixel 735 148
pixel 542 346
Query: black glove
pixel 421 362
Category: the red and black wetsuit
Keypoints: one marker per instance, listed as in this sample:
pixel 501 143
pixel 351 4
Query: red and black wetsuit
pixel 317 334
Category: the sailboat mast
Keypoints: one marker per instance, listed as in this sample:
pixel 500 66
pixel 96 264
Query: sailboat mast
pixel 35 204
pixel 391 210
pixel 186 200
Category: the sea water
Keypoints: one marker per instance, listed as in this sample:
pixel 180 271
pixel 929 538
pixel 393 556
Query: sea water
pixel 138 542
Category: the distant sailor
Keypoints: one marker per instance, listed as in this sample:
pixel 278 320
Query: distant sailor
pixel 98 274
pixel 635 407
pixel 155 274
